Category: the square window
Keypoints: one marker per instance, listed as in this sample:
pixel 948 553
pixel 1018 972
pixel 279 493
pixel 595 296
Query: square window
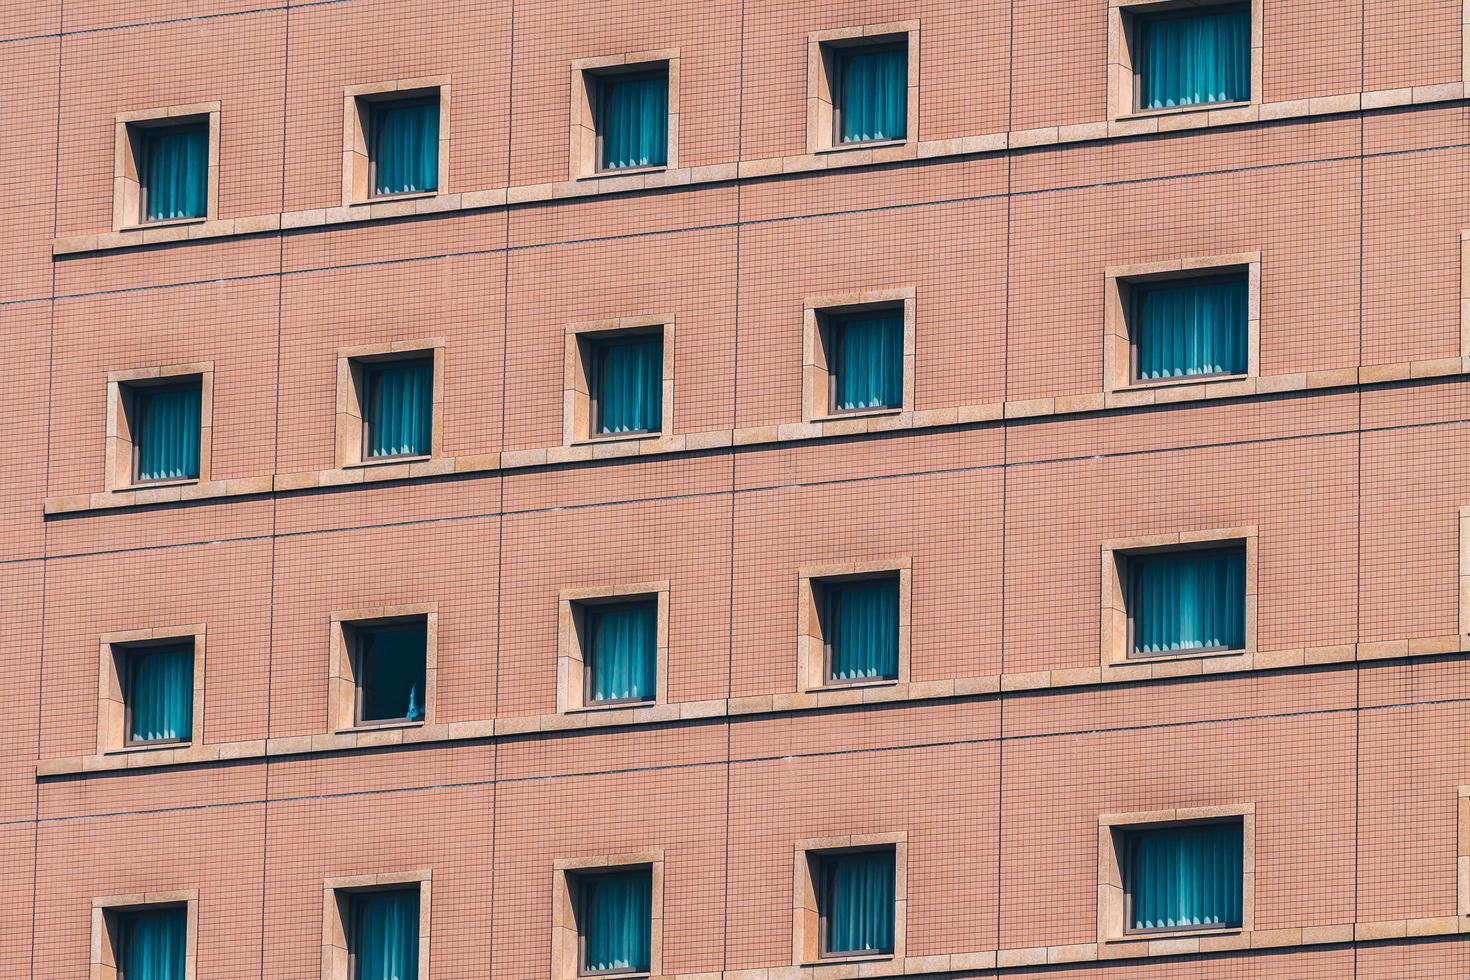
pixel 149 942
pixel 860 625
pixel 855 902
pixel 620 650
pixel 164 425
pixel 870 89
pixel 614 920
pixel 627 384
pixel 1190 328
pixel 403 152
pixel 1186 600
pixel 173 179
pixel 632 118
pixel 865 359
pixel 158 694
pixel 383 934
pixel 1191 57
pixel 1183 877
pixel 399 403
pixel 390 668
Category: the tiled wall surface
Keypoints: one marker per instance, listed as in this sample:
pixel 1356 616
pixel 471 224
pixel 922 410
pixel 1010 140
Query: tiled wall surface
pixel 997 779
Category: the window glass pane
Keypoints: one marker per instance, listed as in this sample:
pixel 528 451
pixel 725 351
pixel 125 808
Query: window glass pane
pixel 161 693
pixel 873 94
pixel 405 148
pixel 622 651
pixel 1189 329
pixel 176 173
pixel 630 386
pixel 617 926
pixel 635 121
pixel 1196 59
pixel 154 942
pixel 391 672
pixel 167 439
pixel 860 902
pixel 1188 600
pixel 863 629
pixel 868 362
pixel 385 935
pixel 1185 877
pixel 400 408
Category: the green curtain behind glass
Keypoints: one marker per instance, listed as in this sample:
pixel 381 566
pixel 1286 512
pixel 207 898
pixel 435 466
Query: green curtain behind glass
pixel 406 148
pixel 860 902
pixel 1192 329
pixel 618 911
pixel 874 95
pixel 1198 59
pixel 864 629
pixel 176 174
pixel 154 943
pixel 387 935
pixel 1189 600
pixel 869 368
pixel 1185 877
pixel 630 386
pixel 167 439
pixel 623 651
pixel 635 122
pixel 400 408
pixel 393 666
pixel 161 694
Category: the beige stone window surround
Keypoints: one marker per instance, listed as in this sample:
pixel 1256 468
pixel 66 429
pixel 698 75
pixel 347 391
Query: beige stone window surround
pixel 352 398
pixel 129 130
pixel 342 689
pixel 1119 368
pixel 1462 849
pixel 1123 42
pixel 1464 572
pixel 812 626
pixel 107 913
pixel 571 661
pixel 1116 629
pixel 806 905
pixel 358 102
pixel 1112 864
pixel 1465 258
pixel 584 158
pixel 818 313
pixel 566 928
pixel 823 48
pixel 578 369
pixel 337 909
pixel 121 462
pixel 112 673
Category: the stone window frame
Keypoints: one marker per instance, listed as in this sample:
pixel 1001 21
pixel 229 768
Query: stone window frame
pixel 1118 344
pixel 127 201
pixel 357 103
pixel 1112 885
pixel 1115 632
pixel 1465 248
pixel 1462 850
pixel 335 927
pixel 566 955
pixel 1464 574
pixel 351 392
pixel 111 697
pixel 571 676
pixel 577 371
pixel 811 641
pixel 342 679
pixel 1122 78
pixel 821 79
pixel 816 375
pixel 583 162
pixel 805 906
pixel 104 926
pixel 121 469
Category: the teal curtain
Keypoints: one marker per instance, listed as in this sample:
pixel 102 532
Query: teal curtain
pixel 386 937
pixel 635 121
pixel 617 909
pixel 1184 877
pixel 161 695
pixel 874 95
pixel 167 439
pixel 630 382
pixel 623 651
pixel 392 672
pixel 400 408
pixel 869 368
pixel 1189 600
pixel 406 148
pixel 860 902
pixel 863 630
pixel 154 944
pixel 1198 59
pixel 176 174
pixel 1192 329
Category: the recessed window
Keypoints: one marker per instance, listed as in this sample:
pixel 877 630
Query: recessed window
pixel 614 920
pixel 1194 56
pixel 1189 328
pixel 173 178
pixel 620 650
pixel 870 93
pixel 865 359
pixel 1183 877
pixel 626 383
pixel 1186 600
pixel 403 138
pixel 383 934
pixel 158 694
pixel 149 942
pixel 632 118
pixel 860 625
pixel 389 664
pixel 164 423
pixel 855 901
pixel 398 401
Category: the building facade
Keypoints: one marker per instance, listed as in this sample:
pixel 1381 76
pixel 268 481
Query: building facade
pixel 742 489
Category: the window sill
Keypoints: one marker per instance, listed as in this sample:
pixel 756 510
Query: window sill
pixel 1155 936
pixel 383 726
pixel 1184 110
pixel 610 706
pixel 394 198
pixel 1184 382
pixel 156 485
pixel 844 960
pixel 141 747
pixel 862 413
pixel 854 685
pixel 385 461
pixel 171 223
pixel 618 437
pixel 1155 658
pixel 869 145
pixel 624 172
